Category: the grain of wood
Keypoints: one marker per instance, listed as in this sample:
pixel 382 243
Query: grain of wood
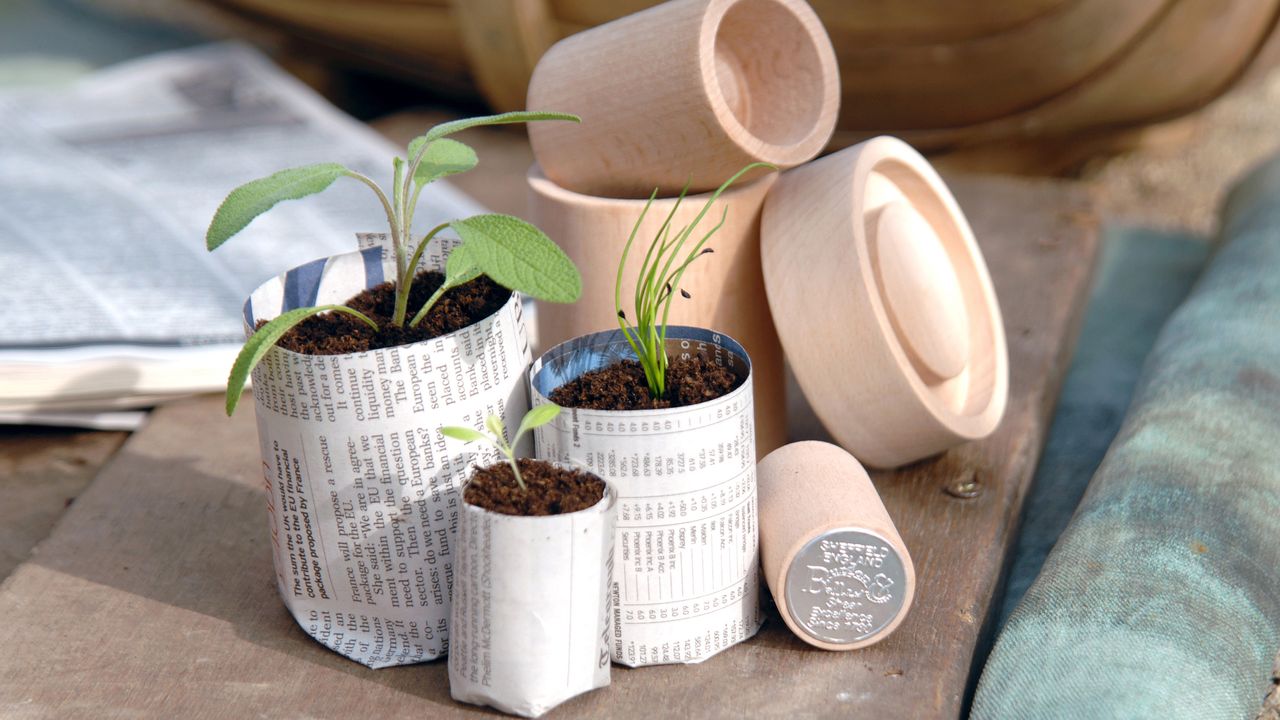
pixel 885 401
pixel 156 593
pixel 42 471
pixel 685 93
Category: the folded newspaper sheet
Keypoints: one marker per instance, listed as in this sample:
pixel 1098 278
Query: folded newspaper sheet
pixel 686 567
pixel 106 188
pixel 363 488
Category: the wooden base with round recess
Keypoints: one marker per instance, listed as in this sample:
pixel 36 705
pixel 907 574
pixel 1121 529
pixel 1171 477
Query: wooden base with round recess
pixel 888 317
pixel 838 570
pixel 688 91
pixel 727 286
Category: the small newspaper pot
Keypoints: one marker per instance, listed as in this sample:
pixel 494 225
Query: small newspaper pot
pixel 362 489
pixel 686 573
pixel 531 607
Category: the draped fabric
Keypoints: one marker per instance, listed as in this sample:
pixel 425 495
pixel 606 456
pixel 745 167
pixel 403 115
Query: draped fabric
pixel 1162 597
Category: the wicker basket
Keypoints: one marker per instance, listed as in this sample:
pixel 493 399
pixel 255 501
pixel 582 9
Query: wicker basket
pixel 940 74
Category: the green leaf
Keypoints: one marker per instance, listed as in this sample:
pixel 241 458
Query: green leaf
pixel 464 434
pixel 443 158
pixel 461 267
pixel 520 257
pixel 519 116
pixel 254 198
pixel 494 424
pixel 256 347
pixel 538 417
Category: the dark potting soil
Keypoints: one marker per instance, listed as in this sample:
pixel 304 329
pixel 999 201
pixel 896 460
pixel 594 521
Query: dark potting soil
pixel 335 333
pixel 552 490
pixel 621 386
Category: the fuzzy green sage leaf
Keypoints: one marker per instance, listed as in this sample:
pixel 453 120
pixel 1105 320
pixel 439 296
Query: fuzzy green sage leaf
pixel 252 199
pixel 442 158
pixel 519 256
pixel 256 347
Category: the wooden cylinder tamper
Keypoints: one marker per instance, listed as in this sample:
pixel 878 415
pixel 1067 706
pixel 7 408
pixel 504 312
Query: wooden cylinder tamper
pixel 887 313
pixel 686 91
pixel 726 288
pixel 837 568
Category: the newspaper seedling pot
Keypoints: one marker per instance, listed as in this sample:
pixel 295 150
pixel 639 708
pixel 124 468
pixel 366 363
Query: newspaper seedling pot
pixel 685 577
pixel 727 289
pixel 362 489
pixel 889 320
pixel 687 91
pixel 838 570
pixel 531 607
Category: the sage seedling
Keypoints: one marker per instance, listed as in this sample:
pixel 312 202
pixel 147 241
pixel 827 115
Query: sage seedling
pixel 512 252
pixel 497 435
pixel 659 281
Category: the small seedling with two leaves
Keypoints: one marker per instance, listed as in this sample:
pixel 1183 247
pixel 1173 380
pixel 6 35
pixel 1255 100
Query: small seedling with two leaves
pixel 510 251
pixel 497 435
pixel 659 281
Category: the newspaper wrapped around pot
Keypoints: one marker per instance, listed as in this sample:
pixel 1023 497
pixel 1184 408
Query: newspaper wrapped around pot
pixel 531 607
pixel 362 489
pixel 686 579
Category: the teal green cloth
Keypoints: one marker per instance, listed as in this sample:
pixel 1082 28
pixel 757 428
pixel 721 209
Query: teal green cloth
pixel 1143 275
pixel 1162 598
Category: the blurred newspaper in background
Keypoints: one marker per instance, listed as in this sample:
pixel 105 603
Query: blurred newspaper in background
pixel 106 189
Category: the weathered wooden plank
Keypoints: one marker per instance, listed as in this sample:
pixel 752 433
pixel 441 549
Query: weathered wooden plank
pixel 155 596
pixel 42 470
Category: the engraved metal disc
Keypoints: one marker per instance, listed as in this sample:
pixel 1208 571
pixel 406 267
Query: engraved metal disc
pixel 845 585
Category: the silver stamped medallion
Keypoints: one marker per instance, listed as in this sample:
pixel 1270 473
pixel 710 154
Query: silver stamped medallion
pixel 845 585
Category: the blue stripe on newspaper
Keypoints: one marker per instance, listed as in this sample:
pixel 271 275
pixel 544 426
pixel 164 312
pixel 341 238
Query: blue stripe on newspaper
pixel 302 285
pixel 372 266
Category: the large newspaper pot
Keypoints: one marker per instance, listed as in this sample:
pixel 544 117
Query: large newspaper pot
pixel 363 491
pixel 685 577
pixel 531 607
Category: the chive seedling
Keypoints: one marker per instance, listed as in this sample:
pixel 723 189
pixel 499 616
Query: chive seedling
pixel 659 281
pixel 497 435
pixel 510 251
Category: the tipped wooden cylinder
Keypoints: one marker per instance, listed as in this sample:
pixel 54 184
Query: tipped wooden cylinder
pixel 838 570
pixel 687 91
pixel 891 323
pixel 726 287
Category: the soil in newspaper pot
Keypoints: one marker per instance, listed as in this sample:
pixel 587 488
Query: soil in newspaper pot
pixel 357 361
pixel 531 590
pixel 665 414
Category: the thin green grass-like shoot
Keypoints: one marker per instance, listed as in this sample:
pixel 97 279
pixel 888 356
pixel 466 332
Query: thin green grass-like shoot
pixel 659 280
pixel 512 252
pixel 497 435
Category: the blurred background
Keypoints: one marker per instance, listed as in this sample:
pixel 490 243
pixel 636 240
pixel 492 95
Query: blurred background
pixel 1040 87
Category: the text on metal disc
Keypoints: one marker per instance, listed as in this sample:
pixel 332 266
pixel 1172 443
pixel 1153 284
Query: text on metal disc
pixel 845 585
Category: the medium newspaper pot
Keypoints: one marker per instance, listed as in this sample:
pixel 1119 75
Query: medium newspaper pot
pixel 362 489
pixel 531 607
pixel 686 576
pixel 727 288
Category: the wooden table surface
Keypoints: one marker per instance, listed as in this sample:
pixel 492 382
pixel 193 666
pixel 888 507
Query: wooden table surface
pixel 154 595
